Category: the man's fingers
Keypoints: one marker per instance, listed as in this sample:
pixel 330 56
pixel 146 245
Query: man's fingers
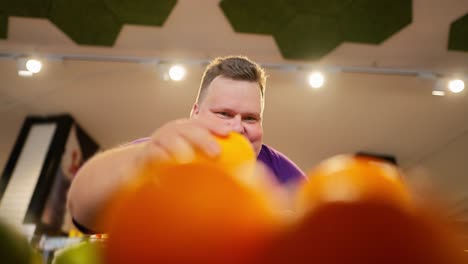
pixel 179 140
pixel 202 139
pixel 155 152
pixel 178 148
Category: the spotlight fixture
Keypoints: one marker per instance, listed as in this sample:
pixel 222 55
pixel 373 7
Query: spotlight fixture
pixel 24 73
pixel 456 85
pixel 27 67
pixel 167 69
pixel 177 72
pixel 438 89
pixel 438 93
pixel 316 80
pixel 34 65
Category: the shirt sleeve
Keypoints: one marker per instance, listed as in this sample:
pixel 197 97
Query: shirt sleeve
pixel 288 170
pixel 284 169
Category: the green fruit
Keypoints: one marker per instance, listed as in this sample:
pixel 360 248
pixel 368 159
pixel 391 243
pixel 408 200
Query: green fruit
pixel 14 247
pixel 82 253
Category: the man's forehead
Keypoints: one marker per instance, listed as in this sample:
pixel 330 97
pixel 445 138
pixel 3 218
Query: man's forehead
pixel 232 104
pixel 232 94
pixel 223 82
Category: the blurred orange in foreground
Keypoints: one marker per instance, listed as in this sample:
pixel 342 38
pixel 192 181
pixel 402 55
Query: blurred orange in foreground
pixel 358 210
pixel 191 213
pixel 352 210
pixel 347 178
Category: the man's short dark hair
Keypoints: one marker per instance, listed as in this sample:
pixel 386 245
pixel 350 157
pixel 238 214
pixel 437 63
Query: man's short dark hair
pixel 235 68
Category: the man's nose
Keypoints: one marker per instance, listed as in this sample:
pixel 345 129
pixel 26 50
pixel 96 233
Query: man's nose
pixel 236 124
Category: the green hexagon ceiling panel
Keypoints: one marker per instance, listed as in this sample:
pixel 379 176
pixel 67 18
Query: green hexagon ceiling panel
pixel 370 21
pixel 3 25
pixel 90 22
pixel 325 7
pixel 305 31
pixel 458 39
pixel 25 8
pixel 141 12
pixel 261 16
pixel 98 27
pixel 309 29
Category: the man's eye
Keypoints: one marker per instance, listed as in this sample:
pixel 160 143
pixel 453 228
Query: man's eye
pixel 250 119
pixel 223 114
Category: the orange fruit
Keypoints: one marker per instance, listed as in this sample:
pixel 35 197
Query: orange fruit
pixel 365 232
pixel 350 179
pixel 236 150
pixel 237 157
pixel 358 210
pixel 191 213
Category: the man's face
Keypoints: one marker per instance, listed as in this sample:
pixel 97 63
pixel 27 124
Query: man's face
pixel 236 104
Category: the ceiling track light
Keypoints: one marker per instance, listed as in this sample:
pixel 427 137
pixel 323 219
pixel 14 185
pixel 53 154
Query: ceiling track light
pixel 438 89
pixel 316 80
pixel 444 85
pixel 456 85
pixel 28 66
pixel 177 72
pixel 34 65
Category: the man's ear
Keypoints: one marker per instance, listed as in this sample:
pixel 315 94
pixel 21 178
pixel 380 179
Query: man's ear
pixel 195 110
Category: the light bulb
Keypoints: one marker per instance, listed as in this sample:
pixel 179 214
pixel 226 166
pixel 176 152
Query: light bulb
pixel 34 65
pixel 316 80
pixel 456 86
pixel 177 73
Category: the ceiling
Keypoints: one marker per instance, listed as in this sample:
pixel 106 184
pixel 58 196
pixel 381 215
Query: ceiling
pixel 301 29
pixel 118 101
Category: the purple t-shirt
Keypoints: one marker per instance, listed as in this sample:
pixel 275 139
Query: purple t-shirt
pixel 283 168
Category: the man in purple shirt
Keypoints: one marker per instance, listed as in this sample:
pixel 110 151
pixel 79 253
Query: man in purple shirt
pixel 230 98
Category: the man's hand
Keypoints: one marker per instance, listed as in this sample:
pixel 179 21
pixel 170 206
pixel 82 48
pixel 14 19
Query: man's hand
pixel 179 140
pixel 104 173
